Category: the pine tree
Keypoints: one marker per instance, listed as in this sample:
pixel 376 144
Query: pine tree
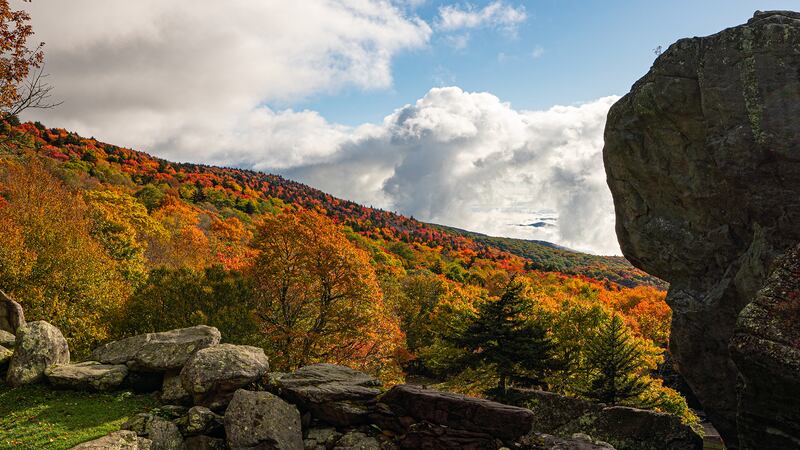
pixel 616 365
pixel 517 348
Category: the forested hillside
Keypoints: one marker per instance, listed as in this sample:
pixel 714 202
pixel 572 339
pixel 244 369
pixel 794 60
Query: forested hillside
pixel 104 242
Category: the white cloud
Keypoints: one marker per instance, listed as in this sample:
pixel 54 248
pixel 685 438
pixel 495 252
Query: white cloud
pixel 130 69
pixel 494 15
pixel 457 158
pixel 188 80
pixel 537 52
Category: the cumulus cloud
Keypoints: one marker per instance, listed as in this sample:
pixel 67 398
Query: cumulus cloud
pixel 148 72
pixel 472 161
pixel 189 81
pixel 494 15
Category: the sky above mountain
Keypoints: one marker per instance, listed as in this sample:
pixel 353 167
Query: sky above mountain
pixel 484 115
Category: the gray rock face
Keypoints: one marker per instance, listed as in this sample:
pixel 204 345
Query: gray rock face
pixel 118 440
pixel 334 394
pixel 11 315
pixel 165 435
pixel 703 161
pixel 172 391
pixel 260 420
pixel 90 376
pixel 623 428
pixel 205 443
pixel 766 349
pixel 321 438
pixel 39 345
pixel 158 352
pixel 213 374
pixel 7 339
pixel 356 440
pixel 409 404
pixel 576 442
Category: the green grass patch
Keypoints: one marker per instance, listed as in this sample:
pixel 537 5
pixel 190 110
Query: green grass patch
pixel 39 418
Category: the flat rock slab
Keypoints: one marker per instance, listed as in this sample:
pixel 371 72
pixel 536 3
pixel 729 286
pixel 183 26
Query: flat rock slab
pixel 7 339
pixel 158 352
pixel 39 345
pixel 213 374
pixel 505 422
pixel 90 375
pixel 260 420
pixel 118 440
pixel 334 394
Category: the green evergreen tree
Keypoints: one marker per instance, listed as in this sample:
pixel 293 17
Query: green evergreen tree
pixel 617 371
pixel 500 336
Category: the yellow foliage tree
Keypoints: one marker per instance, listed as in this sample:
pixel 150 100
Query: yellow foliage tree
pixel 49 261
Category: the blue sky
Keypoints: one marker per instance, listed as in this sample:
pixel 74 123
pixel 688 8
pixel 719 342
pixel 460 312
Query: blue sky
pixel 589 49
pixel 484 115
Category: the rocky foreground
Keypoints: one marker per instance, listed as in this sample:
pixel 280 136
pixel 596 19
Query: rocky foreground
pixel 223 396
pixel 703 161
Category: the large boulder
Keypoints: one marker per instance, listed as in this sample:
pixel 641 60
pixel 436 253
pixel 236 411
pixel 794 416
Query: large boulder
pixel 412 404
pixel 158 352
pixel 11 315
pixel 622 427
pixel 39 345
pixel 213 374
pixel 334 394
pixel 118 440
pixel 89 375
pixel 703 161
pixel 766 349
pixel 260 420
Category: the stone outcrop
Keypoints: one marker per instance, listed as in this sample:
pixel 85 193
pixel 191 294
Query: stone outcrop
pixel 622 427
pixel 703 161
pixel 118 440
pixel 331 407
pixel 11 315
pixel 158 352
pixel 39 345
pixel 256 420
pixel 766 349
pixel 213 374
pixel 446 419
pixel 89 376
pixel 334 394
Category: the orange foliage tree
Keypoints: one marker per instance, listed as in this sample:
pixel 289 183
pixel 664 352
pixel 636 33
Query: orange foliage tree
pixel 318 298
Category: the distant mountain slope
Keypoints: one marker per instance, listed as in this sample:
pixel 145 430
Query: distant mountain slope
pixel 549 257
pixel 232 192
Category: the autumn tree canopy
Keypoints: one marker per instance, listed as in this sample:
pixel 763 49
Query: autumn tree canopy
pixel 318 298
